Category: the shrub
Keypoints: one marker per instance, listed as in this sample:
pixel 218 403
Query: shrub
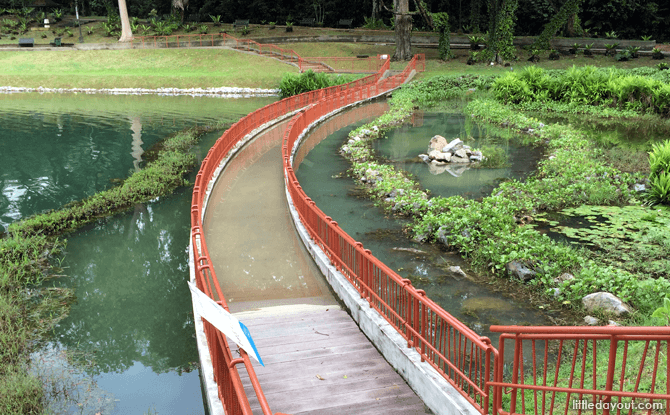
pixel 659 176
pixel 292 84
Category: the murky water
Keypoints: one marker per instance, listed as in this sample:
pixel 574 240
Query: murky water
pixel 402 146
pixel 132 324
pixel 256 253
pixel 322 175
pixel 620 132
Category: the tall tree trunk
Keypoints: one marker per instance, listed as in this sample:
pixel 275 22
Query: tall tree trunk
pixel 375 10
pixel 126 33
pixel 403 31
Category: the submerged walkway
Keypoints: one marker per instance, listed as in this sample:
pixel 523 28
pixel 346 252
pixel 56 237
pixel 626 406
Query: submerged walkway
pixel 317 361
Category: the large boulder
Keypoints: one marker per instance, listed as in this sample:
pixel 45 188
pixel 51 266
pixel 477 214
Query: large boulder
pixel 519 270
pixel 453 146
pixel 437 142
pixel 605 301
pixel 461 153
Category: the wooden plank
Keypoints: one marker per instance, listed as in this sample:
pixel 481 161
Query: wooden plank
pixel 323 363
pixel 316 353
pixel 287 403
pixel 358 373
pixel 326 328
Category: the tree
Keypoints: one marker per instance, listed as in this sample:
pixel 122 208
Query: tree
pixel 403 30
pixel 126 33
pixel 181 5
pixel 500 44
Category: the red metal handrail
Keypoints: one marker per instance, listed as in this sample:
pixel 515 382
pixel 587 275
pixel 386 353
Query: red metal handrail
pixel 454 350
pixel 230 389
pixel 557 375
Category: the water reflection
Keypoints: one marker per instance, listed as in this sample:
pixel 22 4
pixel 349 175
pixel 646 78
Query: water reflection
pixel 403 145
pixel 59 149
pixel 468 298
pixel 133 312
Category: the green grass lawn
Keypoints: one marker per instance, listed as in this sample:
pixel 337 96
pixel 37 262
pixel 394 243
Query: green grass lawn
pixel 140 68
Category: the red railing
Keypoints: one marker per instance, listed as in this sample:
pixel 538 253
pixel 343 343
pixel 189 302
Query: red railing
pixel 464 358
pixel 230 388
pixel 567 376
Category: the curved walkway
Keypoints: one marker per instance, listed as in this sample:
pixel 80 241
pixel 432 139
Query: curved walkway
pixel 317 361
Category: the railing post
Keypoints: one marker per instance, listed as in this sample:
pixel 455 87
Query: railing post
pixel 610 372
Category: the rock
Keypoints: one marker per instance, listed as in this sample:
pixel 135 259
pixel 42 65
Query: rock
pixel 639 187
pixel 440 156
pixel 461 153
pixel 605 301
pixel 456 159
pixel 365 131
pixel 456 144
pixel 437 142
pixel 437 167
pixel 457 170
pixel 591 321
pixel 613 323
pixel 457 271
pixel 475 158
pixel 566 276
pixel 442 234
pixel 412 250
pixel 556 292
pixel 519 270
pixel 425 158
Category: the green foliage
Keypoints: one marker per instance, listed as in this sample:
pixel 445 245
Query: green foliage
pixel 663 313
pixel 204 29
pixel 441 23
pixel 216 20
pixel 568 8
pixel 294 84
pixel 500 43
pixel 637 90
pixel 374 24
pixel 494 158
pixel 659 176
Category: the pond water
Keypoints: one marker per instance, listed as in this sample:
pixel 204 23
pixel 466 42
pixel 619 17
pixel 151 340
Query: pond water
pixel 322 174
pixel 634 134
pixel 60 148
pixel 402 146
pixel 131 328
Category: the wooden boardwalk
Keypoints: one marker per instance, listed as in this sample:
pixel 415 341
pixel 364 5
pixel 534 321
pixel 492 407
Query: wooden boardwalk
pixel 317 361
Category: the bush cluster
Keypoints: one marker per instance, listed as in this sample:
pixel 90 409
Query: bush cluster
pixel 588 86
pixel 294 84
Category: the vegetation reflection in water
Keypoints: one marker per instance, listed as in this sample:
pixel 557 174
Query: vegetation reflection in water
pixel 133 313
pixel 130 327
pixel 402 146
pixel 323 178
pixel 61 148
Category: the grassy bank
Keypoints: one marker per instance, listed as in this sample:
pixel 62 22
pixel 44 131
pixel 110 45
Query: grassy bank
pixel 140 68
pixel 487 231
pixel 27 314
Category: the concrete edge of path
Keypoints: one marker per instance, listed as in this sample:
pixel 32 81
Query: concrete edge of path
pixel 438 394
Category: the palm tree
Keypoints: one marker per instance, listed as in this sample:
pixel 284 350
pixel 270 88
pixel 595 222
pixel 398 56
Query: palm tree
pixel 126 33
